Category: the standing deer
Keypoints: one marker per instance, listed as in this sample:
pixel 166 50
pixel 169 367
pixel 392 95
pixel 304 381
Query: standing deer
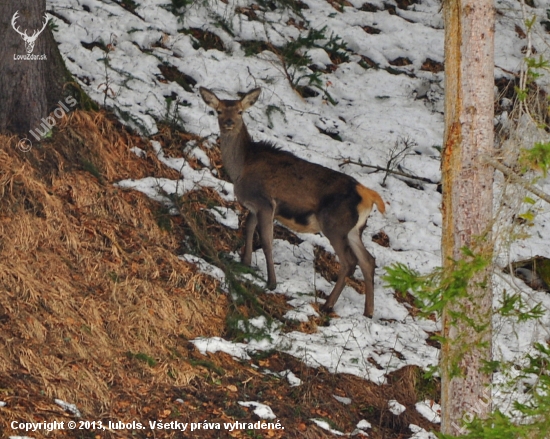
pixel 304 196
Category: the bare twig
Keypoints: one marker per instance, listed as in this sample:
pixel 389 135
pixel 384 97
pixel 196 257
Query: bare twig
pixel 387 170
pixel 400 150
pixel 515 178
pixel 524 67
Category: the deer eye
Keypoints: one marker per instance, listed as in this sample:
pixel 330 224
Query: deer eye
pixel 240 111
pixel 218 111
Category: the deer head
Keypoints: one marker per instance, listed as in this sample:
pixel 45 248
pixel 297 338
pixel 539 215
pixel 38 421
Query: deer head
pixel 29 40
pixel 230 112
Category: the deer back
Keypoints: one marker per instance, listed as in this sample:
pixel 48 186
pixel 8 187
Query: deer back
pixel 300 190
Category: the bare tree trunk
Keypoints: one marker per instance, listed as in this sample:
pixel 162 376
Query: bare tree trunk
pixel 467 205
pixel 29 88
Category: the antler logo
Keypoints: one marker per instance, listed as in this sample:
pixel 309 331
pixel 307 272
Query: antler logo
pixel 29 40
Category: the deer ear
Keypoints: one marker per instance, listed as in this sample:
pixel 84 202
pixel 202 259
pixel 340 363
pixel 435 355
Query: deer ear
pixel 250 98
pixel 210 98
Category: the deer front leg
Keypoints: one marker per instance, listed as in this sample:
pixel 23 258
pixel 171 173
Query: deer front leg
pixel 250 227
pixel 265 222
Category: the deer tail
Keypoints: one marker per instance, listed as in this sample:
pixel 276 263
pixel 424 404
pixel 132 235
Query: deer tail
pixel 370 197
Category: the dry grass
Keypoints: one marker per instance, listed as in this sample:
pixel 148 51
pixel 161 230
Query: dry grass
pixel 87 277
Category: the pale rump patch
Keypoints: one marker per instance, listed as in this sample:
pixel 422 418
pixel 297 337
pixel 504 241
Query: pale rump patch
pixel 363 215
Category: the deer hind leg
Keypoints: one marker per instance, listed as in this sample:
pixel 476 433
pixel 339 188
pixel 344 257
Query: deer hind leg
pixel 250 228
pixel 367 264
pixel 348 262
pixel 265 223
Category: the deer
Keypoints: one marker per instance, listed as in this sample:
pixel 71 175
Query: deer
pixel 306 197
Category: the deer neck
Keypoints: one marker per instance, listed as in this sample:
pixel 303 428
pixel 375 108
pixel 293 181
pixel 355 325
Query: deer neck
pixel 234 146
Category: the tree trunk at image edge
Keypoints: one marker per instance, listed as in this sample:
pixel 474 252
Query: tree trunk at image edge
pixel 29 89
pixel 467 206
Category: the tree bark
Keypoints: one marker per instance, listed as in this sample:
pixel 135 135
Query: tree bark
pixel 467 206
pixel 29 89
